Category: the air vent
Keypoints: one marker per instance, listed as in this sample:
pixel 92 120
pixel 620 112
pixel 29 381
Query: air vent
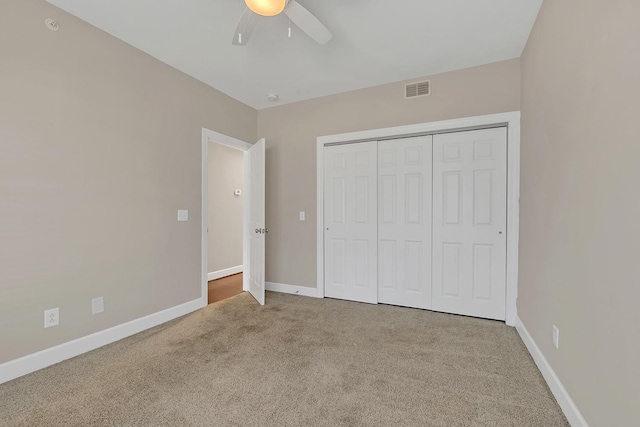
pixel 413 90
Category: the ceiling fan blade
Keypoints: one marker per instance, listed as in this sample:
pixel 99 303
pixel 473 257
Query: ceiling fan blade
pixel 307 22
pixel 245 28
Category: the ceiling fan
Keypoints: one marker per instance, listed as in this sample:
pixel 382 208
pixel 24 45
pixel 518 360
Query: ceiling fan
pixel 298 14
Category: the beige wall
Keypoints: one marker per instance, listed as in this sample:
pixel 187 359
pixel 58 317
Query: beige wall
pixel 580 201
pixel 226 168
pixel 100 145
pixel 291 131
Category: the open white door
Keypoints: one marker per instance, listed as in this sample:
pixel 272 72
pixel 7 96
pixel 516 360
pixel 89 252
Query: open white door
pixel 254 225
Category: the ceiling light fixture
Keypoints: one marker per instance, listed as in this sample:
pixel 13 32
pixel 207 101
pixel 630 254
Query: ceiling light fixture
pixel 266 7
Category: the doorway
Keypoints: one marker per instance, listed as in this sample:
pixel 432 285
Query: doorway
pixel 224 221
pixel 250 197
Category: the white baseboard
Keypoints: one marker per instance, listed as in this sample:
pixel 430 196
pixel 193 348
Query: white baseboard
pixel 225 272
pixel 36 361
pixel 559 392
pixel 292 289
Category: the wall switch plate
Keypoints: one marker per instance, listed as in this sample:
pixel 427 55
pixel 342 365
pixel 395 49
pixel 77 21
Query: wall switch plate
pixel 97 305
pixel 556 336
pixel 302 215
pixel 51 317
pixel 183 215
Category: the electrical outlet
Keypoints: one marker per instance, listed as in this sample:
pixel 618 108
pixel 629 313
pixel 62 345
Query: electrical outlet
pixel 183 215
pixel 97 305
pixel 556 336
pixel 51 317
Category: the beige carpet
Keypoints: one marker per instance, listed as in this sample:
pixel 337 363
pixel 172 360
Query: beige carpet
pixel 295 362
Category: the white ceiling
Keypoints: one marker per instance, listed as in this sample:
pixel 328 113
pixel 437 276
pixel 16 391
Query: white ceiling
pixel 374 41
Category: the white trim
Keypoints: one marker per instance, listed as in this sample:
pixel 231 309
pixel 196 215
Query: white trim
pixel 320 218
pixel 567 405
pixel 246 220
pixel 50 356
pixel 422 128
pixel 213 275
pixel 513 217
pixel 510 119
pixel 204 231
pixel 292 289
pixel 229 141
pixel 223 139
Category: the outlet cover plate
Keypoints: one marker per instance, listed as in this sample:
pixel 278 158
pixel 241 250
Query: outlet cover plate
pixel 51 317
pixel 97 305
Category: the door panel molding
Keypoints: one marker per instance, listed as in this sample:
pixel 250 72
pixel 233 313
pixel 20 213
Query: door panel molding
pixel 471 216
pixel 404 231
pixel 254 227
pixel 351 216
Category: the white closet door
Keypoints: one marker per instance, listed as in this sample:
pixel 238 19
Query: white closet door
pixel 469 223
pixel 404 222
pixel 350 217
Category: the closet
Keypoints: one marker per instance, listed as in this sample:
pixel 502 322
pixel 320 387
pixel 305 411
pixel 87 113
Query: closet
pixel 418 222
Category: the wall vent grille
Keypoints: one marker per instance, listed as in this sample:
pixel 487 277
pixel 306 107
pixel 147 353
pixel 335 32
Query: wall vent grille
pixel 413 90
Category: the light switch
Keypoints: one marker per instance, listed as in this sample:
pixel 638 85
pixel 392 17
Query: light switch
pixel 183 215
pixel 302 216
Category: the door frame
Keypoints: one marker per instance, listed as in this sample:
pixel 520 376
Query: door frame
pixel 219 138
pixel 512 122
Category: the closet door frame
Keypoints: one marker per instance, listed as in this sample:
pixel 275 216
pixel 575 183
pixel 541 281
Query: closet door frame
pixel 510 120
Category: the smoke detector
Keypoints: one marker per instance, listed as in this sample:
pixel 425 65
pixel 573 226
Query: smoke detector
pixel 273 97
pixel 52 24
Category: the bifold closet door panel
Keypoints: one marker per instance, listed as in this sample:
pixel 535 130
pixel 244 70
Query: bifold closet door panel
pixel 351 222
pixel 469 227
pixel 404 222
